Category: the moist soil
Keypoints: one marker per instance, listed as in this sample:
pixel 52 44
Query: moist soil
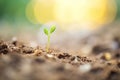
pixel 21 62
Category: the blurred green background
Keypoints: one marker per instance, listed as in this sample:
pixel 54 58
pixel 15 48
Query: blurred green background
pixel 118 9
pixel 13 10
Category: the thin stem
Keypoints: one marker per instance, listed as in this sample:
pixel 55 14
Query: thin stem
pixel 48 43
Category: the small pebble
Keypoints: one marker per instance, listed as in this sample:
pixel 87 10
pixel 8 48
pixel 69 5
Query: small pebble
pixel 107 56
pixel 37 52
pixel 76 60
pixel 49 55
pixel 85 68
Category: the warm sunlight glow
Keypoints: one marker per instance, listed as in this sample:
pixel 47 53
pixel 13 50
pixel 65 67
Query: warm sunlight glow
pixel 43 10
pixel 90 13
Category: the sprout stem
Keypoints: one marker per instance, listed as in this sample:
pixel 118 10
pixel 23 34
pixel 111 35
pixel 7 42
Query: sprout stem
pixel 48 43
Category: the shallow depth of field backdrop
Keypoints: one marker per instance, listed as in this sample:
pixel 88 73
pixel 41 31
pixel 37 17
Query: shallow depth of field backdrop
pixel 75 19
pixel 84 46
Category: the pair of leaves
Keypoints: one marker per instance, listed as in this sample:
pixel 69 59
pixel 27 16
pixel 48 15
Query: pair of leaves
pixel 52 29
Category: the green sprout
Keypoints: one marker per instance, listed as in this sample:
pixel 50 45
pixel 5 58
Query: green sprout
pixel 48 32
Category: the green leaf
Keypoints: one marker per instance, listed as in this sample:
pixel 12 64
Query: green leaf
pixel 52 29
pixel 46 31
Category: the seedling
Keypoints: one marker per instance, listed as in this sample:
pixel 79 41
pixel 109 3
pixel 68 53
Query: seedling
pixel 48 32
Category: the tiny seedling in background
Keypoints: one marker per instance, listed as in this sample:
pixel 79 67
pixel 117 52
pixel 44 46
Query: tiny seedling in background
pixel 48 32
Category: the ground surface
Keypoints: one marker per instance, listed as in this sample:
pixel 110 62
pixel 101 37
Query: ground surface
pixel 21 62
